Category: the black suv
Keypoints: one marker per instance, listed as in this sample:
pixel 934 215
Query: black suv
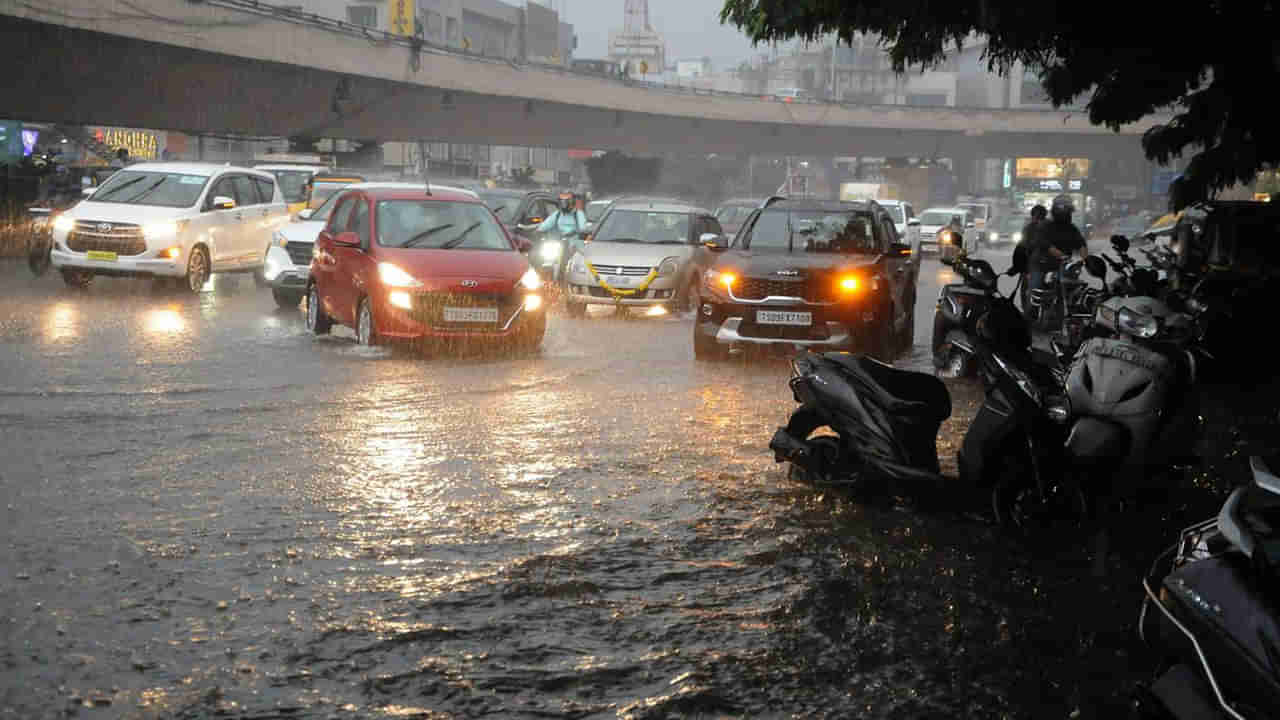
pixel 810 274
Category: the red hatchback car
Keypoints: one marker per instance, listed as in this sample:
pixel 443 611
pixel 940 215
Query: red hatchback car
pixel 399 264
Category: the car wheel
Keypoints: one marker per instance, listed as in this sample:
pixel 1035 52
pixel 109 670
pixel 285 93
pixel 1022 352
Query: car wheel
pixel 575 309
pixel 286 299
pixel 706 348
pixel 317 321
pixel 366 334
pixel 78 279
pixel 197 269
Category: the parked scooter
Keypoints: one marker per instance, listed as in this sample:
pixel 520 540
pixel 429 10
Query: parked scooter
pixel 1213 614
pixel 959 306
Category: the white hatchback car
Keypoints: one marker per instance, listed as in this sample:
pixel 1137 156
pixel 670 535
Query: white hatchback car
pixel 170 221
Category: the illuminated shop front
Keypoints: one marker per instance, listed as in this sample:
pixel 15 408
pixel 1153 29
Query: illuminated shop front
pixel 1037 181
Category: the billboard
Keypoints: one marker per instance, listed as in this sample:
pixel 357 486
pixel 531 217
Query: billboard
pixel 402 17
pixel 542 31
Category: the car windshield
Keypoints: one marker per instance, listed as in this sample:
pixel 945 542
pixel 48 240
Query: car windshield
pixel 733 214
pixel 322 212
pixel 501 205
pixel 937 217
pixel 438 224
pixel 293 184
pixel 895 212
pixel 147 187
pixel 816 231
pixel 596 209
pixel 641 226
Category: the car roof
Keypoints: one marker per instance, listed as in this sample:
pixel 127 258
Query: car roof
pixel 824 205
pixel 290 166
pixel 205 169
pixel 420 187
pixel 887 203
pixel 737 202
pixel 657 204
pixel 391 191
pixel 947 209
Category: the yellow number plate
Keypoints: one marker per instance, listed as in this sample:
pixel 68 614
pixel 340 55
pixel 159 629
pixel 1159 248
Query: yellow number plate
pixel 101 255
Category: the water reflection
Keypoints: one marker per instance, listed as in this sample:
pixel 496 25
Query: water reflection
pixel 166 321
pixel 61 322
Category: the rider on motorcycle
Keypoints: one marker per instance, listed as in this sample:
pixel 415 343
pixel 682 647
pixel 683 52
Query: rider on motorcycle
pixel 567 222
pixel 568 219
pixel 1058 240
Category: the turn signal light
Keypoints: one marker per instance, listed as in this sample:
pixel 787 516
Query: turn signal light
pixel 849 283
pixel 728 279
pixel 171 253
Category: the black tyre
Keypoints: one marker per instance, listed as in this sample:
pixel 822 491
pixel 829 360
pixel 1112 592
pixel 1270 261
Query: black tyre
pixel 366 326
pixel 1019 509
pixel 197 269
pixel 286 299
pixel 706 348
pixel 78 279
pixel 318 322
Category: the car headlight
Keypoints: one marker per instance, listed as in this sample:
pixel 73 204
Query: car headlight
pixel 946 237
pixel 578 265
pixel 551 250
pixel 163 229
pixel 531 280
pixel 278 239
pixel 393 276
pixel 1017 237
pixel 994 236
pixel 1138 324
pixel 62 223
pixel 669 266
pixel 848 283
pixel 401 299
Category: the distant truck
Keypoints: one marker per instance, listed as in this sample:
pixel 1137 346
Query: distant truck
pixel 923 185
pixel 852 191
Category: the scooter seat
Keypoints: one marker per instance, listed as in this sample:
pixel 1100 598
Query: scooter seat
pixel 1250 518
pixel 907 392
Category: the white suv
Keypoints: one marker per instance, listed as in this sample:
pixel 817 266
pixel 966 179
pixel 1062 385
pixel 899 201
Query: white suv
pixel 170 221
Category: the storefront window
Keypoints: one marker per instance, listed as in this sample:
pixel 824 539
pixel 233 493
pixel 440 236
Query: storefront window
pixel 1052 168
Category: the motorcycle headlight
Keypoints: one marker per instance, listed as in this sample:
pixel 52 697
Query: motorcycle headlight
pixel 551 250
pixel 531 280
pixel 1017 237
pixel 62 223
pixel 669 266
pixel 393 276
pixel 1137 324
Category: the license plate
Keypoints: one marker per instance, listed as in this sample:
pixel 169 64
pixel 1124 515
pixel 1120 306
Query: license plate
pixel 473 315
pixel 774 317
pixel 101 255
pixel 618 280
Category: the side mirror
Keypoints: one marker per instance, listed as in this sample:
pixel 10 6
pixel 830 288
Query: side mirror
pixel 222 202
pixel 1096 266
pixel 523 244
pixel 1120 243
pixel 534 221
pixel 970 224
pixel 306 213
pixel 900 249
pixel 347 239
pixel 714 242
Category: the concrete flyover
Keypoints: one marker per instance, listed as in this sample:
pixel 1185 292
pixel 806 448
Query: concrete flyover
pixel 240 66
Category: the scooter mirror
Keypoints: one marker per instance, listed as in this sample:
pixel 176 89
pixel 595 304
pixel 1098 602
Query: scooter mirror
pixel 1096 266
pixel 1120 243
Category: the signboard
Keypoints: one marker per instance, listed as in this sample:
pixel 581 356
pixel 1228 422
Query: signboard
pixel 1051 168
pixel 580 154
pixel 402 17
pixel 141 144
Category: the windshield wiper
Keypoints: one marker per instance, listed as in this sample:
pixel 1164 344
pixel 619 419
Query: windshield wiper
pixel 146 192
pixel 120 187
pixel 425 234
pixel 455 242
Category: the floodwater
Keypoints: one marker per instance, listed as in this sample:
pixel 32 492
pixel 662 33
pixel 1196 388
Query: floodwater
pixel 209 513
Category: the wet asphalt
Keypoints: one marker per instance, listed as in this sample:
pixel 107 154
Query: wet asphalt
pixel 208 512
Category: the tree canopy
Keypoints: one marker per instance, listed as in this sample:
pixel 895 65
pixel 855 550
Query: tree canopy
pixel 1212 64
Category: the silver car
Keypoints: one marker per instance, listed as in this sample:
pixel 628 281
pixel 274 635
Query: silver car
pixel 643 254
pixel 935 219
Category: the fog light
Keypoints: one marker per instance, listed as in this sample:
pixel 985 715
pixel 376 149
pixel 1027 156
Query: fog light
pixel 171 253
pixel 656 310
pixel 532 302
pixel 401 299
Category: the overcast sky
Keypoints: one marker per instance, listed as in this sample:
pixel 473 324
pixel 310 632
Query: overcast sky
pixel 691 27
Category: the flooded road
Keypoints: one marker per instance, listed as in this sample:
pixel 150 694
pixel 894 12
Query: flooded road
pixel 209 513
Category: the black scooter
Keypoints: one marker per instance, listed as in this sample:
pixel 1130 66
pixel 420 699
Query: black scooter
pixel 1213 614
pixel 959 306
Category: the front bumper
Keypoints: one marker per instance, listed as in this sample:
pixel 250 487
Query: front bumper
pixel 585 289
pixel 513 323
pixel 834 327
pixel 145 265
pixel 280 271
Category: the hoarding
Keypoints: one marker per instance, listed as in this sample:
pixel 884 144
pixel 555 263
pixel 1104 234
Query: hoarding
pixel 1051 168
pixel 402 17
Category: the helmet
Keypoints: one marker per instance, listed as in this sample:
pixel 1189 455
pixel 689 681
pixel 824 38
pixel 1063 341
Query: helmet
pixel 568 201
pixel 1039 212
pixel 1062 207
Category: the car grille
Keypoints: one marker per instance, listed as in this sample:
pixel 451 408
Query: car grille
pixel 299 252
pixel 428 308
pixel 629 270
pixel 816 289
pixel 119 238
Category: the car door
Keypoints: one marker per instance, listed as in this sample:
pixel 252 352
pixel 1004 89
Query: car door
pixel 251 206
pixel 898 269
pixel 324 268
pixel 224 227
pixel 356 266
pixel 275 213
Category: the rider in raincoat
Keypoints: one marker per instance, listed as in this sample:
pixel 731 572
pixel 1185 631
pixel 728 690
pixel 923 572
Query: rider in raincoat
pixel 567 222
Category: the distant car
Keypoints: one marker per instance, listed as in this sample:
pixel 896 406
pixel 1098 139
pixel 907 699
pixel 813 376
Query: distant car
pixel 810 274
pixel 1006 231
pixel 935 220
pixel 650 251
pixel 983 212
pixel 170 221
pixel 734 212
pixel 327 183
pixel 287 266
pixel 292 179
pixel 398 264
pixel 905 221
